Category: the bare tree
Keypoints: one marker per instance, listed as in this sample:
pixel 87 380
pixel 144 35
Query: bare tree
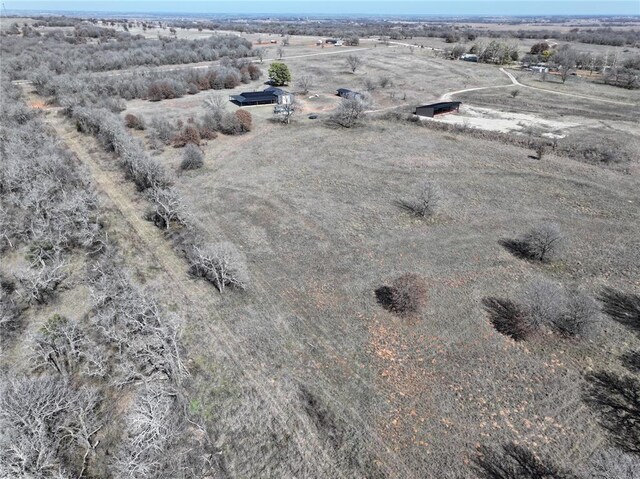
pixel 544 242
pixel 349 111
pixel 565 61
pixel 285 111
pixel 260 53
pixel 425 201
pixel 304 83
pixel 354 62
pixel 40 284
pixel 221 264
pixel 48 428
pixel 369 84
pixel 280 52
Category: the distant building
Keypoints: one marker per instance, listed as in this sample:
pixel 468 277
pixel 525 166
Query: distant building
pixel 539 68
pixel 346 93
pixel 469 57
pixel 434 109
pixel 269 96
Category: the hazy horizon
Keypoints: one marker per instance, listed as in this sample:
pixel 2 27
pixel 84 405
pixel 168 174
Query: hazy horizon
pixel 350 7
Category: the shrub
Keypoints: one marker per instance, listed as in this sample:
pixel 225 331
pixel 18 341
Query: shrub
pixel 580 314
pixel 230 124
pixel 425 201
pixel 569 311
pixel 221 264
pixel 540 149
pixel 192 158
pixel 244 117
pixel 408 294
pixel 163 129
pixel 133 121
pixel 189 135
pixel 543 243
pixel 349 111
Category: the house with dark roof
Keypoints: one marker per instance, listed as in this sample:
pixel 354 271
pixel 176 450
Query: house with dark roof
pixel 346 93
pixel 268 96
pixel 434 109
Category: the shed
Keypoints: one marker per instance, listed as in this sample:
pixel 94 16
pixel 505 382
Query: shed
pixel 438 108
pixel 269 96
pixel 346 93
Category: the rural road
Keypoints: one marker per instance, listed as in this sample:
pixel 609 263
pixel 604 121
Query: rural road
pixel 514 81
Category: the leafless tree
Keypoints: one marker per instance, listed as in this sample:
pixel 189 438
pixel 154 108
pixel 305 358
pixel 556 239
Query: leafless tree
pixel 260 53
pixel 280 52
pixel 354 62
pixel 38 285
pixel 304 83
pixel 285 111
pixel 568 311
pixel 349 111
pixel 168 207
pixel 565 61
pixel 48 428
pixel 221 264
pixel 426 200
pixel 544 242
pixel 160 442
pixel 369 84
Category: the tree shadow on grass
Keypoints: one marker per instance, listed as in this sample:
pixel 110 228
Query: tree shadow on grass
pixel 518 248
pixel 516 462
pixel 622 307
pixel 631 361
pixel 507 318
pixel 617 399
pixel 384 296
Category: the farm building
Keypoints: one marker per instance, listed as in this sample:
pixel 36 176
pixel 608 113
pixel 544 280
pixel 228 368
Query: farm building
pixel 269 96
pixel 346 93
pixel 438 108
pixel 468 57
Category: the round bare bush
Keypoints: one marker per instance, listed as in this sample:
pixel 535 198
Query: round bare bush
pixel 544 243
pixel 408 294
pixel 245 119
pixel 425 201
pixel 192 158
pixel 133 121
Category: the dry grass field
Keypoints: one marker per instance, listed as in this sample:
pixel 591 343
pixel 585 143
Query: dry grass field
pixel 305 374
pixel 314 210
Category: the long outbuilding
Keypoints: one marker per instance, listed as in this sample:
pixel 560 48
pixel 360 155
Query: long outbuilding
pixel 434 109
pixel 269 96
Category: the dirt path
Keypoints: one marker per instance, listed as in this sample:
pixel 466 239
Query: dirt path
pixel 514 81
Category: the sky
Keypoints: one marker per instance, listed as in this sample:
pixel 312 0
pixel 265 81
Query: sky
pixel 328 7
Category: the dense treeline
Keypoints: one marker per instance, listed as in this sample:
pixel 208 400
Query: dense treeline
pixel 397 30
pixel 50 53
pixel 85 89
pixel 452 33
